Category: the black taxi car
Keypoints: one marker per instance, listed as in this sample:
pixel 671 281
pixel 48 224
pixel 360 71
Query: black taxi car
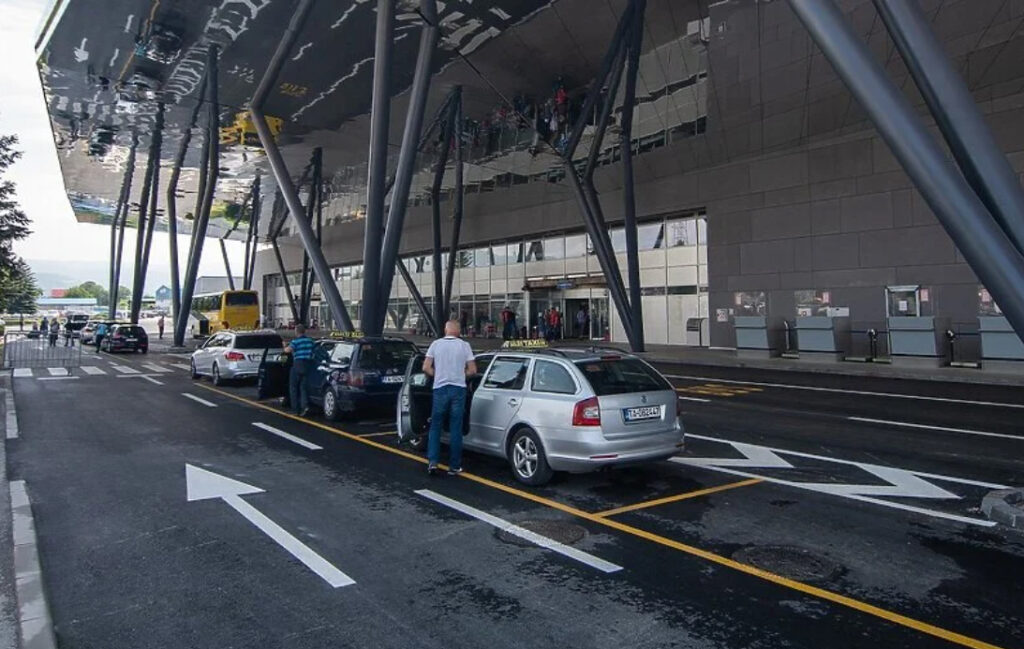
pixel 351 372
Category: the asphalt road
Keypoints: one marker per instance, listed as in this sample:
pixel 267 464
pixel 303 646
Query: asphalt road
pixel 786 523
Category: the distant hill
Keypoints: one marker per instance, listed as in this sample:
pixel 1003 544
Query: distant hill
pixel 52 274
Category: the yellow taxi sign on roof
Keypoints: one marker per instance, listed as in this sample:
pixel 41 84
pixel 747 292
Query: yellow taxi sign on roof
pixel 526 343
pixel 345 334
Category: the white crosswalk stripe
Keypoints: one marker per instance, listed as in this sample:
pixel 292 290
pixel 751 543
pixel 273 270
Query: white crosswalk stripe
pixel 180 366
pixel 57 371
pixel 23 372
pixel 154 367
pixel 124 369
pixel 90 369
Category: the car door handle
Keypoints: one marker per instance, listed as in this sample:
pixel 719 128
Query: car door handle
pixel 513 402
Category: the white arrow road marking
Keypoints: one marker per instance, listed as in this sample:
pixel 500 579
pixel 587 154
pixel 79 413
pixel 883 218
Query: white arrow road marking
pixel 205 485
pixel 152 380
pixel 206 403
pixel 288 436
pixel 944 429
pixel 523 533
pixel 82 54
pixel 902 483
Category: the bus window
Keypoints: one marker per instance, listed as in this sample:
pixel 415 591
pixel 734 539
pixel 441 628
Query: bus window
pixel 240 299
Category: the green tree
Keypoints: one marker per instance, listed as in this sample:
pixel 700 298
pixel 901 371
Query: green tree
pixel 18 289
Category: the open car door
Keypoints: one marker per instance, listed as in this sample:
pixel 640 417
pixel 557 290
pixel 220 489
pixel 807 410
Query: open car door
pixel 415 402
pixel 272 377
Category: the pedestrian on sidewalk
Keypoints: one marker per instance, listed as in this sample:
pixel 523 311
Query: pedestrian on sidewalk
pixel 69 333
pixel 301 349
pixel 54 332
pixel 449 360
pixel 160 326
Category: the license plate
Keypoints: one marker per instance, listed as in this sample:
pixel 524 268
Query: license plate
pixel 641 413
pixel 129 340
pixel 393 379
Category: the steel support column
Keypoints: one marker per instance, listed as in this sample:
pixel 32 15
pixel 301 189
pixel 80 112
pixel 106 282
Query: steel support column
pixel 439 315
pixel 983 244
pixel 154 195
pixel 417 297
pixel 284 280
pixel 227 263
pixel 252 235
pixel 459 201
pixel 377 167
pixel 211 164
pixel 117 230
pixel 313 211
pixel 976 151
pixel 280 170
pixel 407 155
pixel 172 205
pixel 139 275
pixel 628 198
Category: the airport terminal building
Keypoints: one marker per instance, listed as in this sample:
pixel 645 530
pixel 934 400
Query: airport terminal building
pixel 761 186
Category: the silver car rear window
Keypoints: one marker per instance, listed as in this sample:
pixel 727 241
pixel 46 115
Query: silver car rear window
pixel 621 376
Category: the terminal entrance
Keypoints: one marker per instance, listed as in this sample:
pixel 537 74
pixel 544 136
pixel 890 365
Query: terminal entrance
pixel 582 318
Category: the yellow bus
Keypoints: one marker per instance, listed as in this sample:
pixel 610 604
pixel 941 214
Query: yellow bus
pixel 212 312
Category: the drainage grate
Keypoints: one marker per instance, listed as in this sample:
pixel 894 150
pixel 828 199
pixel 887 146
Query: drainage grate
pixel 561 531
pixel 795 563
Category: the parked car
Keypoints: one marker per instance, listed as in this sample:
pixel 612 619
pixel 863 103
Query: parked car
pixel 235 354
pixel 359 374
pixel 102 328
pixel 88 332
pixel 549 410
pixel 125 338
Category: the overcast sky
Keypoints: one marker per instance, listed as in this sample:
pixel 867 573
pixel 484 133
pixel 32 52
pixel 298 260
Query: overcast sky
pixel 56 234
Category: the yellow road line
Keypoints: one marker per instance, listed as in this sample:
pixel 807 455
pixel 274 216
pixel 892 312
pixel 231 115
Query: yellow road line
pixel 807 589
pixel 678 497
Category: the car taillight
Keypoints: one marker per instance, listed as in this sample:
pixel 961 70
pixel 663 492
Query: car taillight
pixel 354 378
pixel 234 356
pixel 587 413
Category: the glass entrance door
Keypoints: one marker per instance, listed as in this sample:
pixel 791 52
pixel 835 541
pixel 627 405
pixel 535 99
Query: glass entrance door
pixel 599 325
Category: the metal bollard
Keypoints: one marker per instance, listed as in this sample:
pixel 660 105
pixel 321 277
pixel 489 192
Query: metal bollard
pixel 951 337
pixel 873 342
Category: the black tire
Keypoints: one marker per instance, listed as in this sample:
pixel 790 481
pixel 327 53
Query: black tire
pixel 331 410
pixel 217 380
pixel 527 459
pixel 193 374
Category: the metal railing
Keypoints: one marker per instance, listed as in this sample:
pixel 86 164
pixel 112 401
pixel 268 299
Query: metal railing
pixel 36 349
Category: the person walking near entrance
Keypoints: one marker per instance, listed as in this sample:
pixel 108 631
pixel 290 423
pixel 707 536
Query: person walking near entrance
pixel 508 320
pixel 44 326
pixel 581 322
pixel 301 349
pixel 54 332
pixel 449 360
pixel 160 326
pixel 69 333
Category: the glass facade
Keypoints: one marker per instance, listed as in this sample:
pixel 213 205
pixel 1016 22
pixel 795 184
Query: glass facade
pixel 533 276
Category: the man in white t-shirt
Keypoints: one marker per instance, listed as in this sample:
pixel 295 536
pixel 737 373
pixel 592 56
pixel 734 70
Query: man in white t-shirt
pixel 449 360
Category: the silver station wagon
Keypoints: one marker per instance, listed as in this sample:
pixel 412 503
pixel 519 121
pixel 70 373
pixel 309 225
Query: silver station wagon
pixel 547 410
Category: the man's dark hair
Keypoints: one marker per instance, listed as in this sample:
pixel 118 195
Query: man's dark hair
pixel 300 328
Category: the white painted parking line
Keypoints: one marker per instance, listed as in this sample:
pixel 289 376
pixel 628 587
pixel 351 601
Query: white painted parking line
pixel 180 366
pixel 897 483
pixel 154 367
pixel 291 438
pixel 57 378
pixel 57 371
pixel 515 530
pixel 944 429
pixel 124 369
pixel 697 399
pixel 152 380
pixel 93 370
pixel 209 404
pixel 22 372
pixel 866 393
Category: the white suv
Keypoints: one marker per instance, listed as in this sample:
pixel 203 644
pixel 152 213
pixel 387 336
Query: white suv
pixel 235 354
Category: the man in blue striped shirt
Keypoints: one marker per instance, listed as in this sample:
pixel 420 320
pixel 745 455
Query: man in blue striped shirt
pixel 301 349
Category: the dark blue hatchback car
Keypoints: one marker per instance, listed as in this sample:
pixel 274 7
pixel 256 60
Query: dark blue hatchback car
pixel 359 374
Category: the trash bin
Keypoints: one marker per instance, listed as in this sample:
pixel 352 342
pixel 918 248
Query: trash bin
pixel 758 336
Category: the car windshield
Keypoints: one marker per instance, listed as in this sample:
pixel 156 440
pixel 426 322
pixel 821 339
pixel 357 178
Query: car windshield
pixel 621 376
pixel 259 341
pixel 385 355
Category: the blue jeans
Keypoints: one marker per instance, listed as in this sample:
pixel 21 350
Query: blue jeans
pixel 448 400
pixel 298 384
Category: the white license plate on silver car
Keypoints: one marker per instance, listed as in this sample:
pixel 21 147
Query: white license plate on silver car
pixel 641 413
pixel 393 379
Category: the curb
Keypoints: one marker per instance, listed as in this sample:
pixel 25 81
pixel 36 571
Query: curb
pixel 33 609
pixel 1005 506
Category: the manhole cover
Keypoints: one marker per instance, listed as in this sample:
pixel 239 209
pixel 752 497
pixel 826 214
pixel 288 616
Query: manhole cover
pixel 560 531
pixel 795 563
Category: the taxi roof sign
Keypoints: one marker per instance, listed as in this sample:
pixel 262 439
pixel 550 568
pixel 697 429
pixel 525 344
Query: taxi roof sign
pixel 345 334
pixel 526 343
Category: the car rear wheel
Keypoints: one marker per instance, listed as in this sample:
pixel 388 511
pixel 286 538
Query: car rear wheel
pixel 527 459
pixel 217 380
pixel 331 411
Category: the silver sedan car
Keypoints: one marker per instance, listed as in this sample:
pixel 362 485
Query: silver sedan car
pixel 235 354
pixel 550 410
